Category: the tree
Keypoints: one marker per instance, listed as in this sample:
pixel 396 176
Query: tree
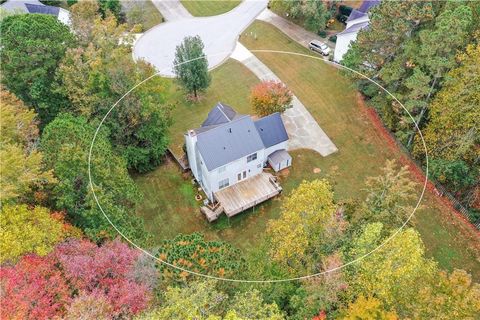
pixel 83 15
pixel 269 97
pixel 66 281
pixel 202 300
pixel 367 308
pixel 456 175
pixel 389 197
pixel 450 296
pixel 191 65
pixel 27 230
pixel 22 170
pixel 33 289
pixel 193 253
pixel 198 300
pixel 250 305
pixel 451 135
pixel 394 272
pixel 32 47
pixel 96 76
pixel 113 6
pixel 305 212
pixel 66 143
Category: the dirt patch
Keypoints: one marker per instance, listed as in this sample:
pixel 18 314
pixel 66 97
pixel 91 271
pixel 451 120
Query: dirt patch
pixel 416 172
pixel 317 170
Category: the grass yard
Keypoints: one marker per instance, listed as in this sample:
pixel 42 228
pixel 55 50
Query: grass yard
pixel 361 149
pixel 231 84
pixel 143 12
pixel 169 206
pixel 206 8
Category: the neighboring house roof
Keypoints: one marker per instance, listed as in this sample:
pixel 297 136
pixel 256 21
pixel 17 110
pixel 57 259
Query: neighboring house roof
pixel 271 130
pixel 356 14
pixel 228 142
pixel 354 28
pixel 279 156
pixel 43 9
pixel 220 114
pixel 367 5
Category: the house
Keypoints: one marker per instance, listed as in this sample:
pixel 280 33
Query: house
pixel 229 150
pixel 358 20
pixel 34 6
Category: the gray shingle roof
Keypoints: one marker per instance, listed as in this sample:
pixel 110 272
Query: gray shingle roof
pixel 368 4
pixel 279 156
pixel 271 130
pixel 228 142
pixel 220 114
pixel 355 14
pixel 355 28
pixel 36 8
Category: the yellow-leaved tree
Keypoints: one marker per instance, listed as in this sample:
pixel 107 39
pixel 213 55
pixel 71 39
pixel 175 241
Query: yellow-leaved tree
pixel 305 213
pixel 21 166
pixel 366 308
pixel 24 230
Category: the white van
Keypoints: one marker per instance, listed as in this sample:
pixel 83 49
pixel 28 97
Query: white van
pixel 319 47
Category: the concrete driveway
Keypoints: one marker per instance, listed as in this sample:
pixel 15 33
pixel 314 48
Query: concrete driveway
pixel 219 34
pixel 303 130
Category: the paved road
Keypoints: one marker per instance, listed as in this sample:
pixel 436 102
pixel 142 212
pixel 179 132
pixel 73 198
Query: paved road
pixel 303 130
pixel 219 33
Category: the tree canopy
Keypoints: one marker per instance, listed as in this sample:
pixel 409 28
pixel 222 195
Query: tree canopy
pixel 191 65
pixel 66 143
pixel 32 48
pixel 269 97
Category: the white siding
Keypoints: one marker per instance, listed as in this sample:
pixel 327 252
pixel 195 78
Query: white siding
pixel 343 44
pixel 272 149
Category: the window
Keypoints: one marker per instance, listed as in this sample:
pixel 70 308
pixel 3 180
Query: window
pixel 223 183
pixel 244 174
pixel 222 169
pixel 252 157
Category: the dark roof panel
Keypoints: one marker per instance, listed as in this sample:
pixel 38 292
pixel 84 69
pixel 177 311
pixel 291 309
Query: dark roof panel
pixel 355 28
pixel 220 114
pixel 355 14
pixel 37 8
pixel 367 5
pixel 271 130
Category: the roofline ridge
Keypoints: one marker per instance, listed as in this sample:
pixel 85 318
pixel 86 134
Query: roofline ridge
pixel 242 116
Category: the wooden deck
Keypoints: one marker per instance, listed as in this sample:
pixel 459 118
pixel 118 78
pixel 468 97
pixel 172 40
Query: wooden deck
pixel 248 193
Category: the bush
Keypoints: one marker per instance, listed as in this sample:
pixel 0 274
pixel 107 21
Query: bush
pixel 322 33
pixel 342 18
pixel 333 38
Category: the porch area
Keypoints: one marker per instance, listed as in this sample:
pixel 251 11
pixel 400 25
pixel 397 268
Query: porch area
pixel 248 193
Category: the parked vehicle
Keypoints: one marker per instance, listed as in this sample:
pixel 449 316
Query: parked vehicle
pixel 319 47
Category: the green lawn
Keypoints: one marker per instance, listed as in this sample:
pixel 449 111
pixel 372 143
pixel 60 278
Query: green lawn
pixel 169 207
pixel 146 13
pixel 205 8
pixel 361 150
pixel 231 84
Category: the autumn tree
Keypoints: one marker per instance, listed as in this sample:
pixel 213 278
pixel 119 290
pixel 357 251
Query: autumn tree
pixel 392 273
pixel 27 231
pixel 269 97
pixel 305 212
pixel 22 171
pixel 451 135
pixel 450 296
pixel 203 300
pixel 96 75
pixel 191 65
pixel 66 142
pixel 389 198
pixel 32 47
pixel 365 308
pixel 78 276
pixel 193 253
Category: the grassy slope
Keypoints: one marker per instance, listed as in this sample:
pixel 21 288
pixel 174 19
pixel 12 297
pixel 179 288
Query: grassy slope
pixel 207 8
pixel 362 151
